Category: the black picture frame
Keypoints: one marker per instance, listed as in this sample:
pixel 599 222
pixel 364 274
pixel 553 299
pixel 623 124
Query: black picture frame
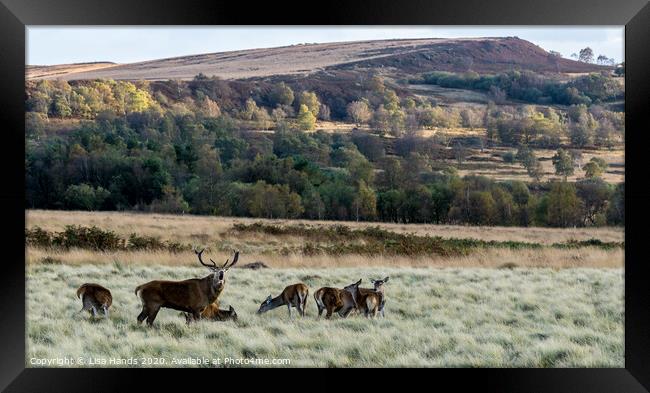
pixel 634 14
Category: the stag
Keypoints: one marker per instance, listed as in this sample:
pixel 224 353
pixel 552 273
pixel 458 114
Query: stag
pixel 191 296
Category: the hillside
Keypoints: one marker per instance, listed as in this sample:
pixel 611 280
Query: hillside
pixel 56 71
pixel 404 56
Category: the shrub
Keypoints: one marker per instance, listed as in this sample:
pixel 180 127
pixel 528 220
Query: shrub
pixel 89 238
pixel 38 237
pixel 509 157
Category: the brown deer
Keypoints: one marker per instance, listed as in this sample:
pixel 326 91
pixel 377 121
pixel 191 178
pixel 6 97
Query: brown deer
pixel 367 303
pixel 191 296
pixel 212 312
pixel 334 300
pixel 294 295
pixel 378 287
pixel 94 297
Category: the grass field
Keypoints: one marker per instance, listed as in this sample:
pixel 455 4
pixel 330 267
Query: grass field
pixel 558 306
pixel 447 317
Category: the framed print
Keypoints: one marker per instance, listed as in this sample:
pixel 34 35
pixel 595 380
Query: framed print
pixel 414 185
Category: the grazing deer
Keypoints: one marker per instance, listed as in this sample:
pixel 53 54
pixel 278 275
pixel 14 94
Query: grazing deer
pixel 93 298
pixel 334 300
pixel 212 312
pixel 294 295
pixel 368 303
pixel 378 287
pixel 191 296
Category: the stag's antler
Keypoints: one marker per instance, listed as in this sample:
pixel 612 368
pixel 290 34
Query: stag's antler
pixel 199 253
pixel 235 259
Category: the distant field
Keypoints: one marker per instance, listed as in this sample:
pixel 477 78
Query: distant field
pixel 434 317
pixel 283 250
pixel 484 164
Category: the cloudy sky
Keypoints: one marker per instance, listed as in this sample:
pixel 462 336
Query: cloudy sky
pixel 122 44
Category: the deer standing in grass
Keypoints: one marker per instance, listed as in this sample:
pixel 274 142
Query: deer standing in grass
pixel 292 296
pixel 378 287
pixel 94 297
pixel 191 296
pixel 367 303
pixel 334 300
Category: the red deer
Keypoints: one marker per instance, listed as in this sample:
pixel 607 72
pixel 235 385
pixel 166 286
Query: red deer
pixel 94 297
pixel 212 312
pixel 334 300
pixel 368 303
pixel 190 296
pixel 294 295
pixel 378 287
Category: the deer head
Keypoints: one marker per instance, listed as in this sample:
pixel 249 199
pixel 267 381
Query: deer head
pixel 379 284
pixel 265 306
pixel 218 272
pixel 353 289
pixel 232 313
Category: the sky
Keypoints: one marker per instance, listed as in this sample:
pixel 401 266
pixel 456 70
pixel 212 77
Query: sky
pixel 47 45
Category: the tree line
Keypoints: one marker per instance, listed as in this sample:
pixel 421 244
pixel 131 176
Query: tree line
pixel 135 147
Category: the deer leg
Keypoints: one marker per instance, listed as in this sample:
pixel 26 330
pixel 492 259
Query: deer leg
pixel 152 315
pixel 299 307
pixel 289 308
pixel 328 315
pixel 94 311
pixel 143 314
pixel 105 310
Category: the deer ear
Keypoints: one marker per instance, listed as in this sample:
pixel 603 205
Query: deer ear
pixel 231 309
pixel 386 279
pixel 359 282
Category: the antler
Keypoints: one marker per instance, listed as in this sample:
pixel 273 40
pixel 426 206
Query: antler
pixel 234 261
pixel 199 253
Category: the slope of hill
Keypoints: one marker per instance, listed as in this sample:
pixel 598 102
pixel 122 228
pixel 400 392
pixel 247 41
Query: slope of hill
pixel 406 56
pixel 62 70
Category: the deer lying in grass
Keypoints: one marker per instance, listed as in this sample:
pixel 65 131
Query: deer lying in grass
pixel 378 287
pixel 334 300
pixel 212 312
pixel 294 295
pixel 367 302
pixel 94 297
pixel 191 296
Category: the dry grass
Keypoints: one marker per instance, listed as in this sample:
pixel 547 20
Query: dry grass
pixel 488 258
pixel 208 229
